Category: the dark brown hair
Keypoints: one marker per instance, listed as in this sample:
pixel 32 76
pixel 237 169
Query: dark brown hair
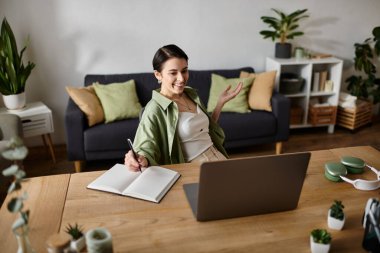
pixel 165 53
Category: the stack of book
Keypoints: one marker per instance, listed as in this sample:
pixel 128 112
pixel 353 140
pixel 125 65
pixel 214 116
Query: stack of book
pixel 319 81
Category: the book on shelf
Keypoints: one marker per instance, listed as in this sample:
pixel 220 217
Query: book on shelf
pixel 322 80
pixel 152 184
pixel 315 84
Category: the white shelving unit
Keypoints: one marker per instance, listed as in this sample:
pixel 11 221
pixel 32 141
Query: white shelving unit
pixel 306 68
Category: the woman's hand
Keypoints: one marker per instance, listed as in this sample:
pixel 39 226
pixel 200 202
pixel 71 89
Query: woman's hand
pixel 227 95
pixel 224 97
pixel 134 165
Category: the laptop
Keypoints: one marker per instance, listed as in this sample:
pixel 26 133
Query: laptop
pixel 247 186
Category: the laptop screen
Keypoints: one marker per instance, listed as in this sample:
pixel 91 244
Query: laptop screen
pixel 248 186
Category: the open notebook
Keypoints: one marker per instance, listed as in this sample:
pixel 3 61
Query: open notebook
pixel 152 184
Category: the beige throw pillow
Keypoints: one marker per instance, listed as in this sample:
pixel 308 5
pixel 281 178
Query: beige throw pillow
pixel 88 102
pixel 261 91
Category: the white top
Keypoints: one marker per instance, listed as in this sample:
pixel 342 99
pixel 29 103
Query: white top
pixel 193 133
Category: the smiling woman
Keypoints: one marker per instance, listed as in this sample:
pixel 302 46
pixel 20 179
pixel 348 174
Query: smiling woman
pixel 175 126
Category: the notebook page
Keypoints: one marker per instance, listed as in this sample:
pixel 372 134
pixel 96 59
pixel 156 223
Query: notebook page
pixel 114 180
pixel 152 184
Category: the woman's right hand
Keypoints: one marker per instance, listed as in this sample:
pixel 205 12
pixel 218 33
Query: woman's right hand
pixel 134 165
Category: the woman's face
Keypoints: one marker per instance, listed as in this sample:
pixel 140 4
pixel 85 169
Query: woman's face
pixel 173 76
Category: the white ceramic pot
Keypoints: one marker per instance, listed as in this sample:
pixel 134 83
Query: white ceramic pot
pixel 79 244
pixel 334 223
pixel 99 240
pixel 15 102
pixel 318 247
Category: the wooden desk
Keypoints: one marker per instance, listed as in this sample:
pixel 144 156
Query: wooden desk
pixel 140 226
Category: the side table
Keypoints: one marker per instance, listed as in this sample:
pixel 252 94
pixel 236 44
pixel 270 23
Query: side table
pixel 36 120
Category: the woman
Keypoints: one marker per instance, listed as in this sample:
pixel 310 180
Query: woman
pixel 175 126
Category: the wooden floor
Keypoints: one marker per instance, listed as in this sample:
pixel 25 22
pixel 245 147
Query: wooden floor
pixel 39 163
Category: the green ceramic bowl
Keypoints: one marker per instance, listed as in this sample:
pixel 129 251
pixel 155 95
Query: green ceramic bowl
pixel 354 165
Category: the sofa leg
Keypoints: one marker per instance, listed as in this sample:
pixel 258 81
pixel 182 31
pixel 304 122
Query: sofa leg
pixel 278 148
pixel 78 166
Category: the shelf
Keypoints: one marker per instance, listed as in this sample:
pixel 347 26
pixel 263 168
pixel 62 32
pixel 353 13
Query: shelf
pixel 321 93
pixel 296 95
pixel 305 69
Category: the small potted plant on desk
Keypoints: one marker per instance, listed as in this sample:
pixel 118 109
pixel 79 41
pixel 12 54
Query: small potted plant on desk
pixel 336 217
pixel 320 241
pixel 78 240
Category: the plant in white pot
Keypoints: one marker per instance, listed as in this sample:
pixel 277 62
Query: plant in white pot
pixel 335 216
pixel 284 28
pixel 78 240
pixel 13 73
pixel 320 241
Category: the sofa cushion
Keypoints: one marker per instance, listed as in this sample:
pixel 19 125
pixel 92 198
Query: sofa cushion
pixel 219 84
pixel 261 90
pixel 88 102
pixel 109 137
pixel 238 126
pixel 119 100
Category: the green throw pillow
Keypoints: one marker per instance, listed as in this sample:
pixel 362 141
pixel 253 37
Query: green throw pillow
pixel 119 100
pixel 237 104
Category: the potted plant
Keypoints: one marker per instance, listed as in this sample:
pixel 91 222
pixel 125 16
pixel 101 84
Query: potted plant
pixel 365 84
pixel 13 73
pixel 16 152
pixel 320 241
pixel 78 240
pixel 335 216
pixel 284 28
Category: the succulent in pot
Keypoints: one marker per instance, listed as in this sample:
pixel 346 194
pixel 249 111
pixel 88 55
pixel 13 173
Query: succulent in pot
pixel 335 216
pixel 78 240
pixel 320 241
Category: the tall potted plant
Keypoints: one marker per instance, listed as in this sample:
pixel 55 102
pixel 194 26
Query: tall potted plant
pixel 284 28
pixel 13 73
pixel 366 84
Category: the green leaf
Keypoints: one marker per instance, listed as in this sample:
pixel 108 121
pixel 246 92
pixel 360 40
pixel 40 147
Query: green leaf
pixel 18 153
pixel 25 216
pixel 15 205
pixel 14 186
pixel 18 223
pixel 20 174
pixel 14 74
pixel 10 171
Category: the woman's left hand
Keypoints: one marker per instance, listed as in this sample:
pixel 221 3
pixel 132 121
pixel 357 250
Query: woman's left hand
pixel 227 95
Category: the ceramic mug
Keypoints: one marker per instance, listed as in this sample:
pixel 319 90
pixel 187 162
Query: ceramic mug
pixel 299 53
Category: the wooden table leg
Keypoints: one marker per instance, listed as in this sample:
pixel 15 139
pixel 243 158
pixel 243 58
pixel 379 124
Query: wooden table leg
pixel 50 145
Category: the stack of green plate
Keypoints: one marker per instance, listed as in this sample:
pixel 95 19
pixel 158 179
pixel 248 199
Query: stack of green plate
pixel 354 165
pixel 334 170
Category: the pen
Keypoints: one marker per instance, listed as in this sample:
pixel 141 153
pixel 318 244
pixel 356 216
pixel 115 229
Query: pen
pixel 133 152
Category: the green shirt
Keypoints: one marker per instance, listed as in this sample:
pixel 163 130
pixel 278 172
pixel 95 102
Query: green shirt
pixel 157 138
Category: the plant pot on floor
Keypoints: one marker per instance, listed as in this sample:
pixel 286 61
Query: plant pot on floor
pixel 283 50
pixel 334 223
pixel 14 102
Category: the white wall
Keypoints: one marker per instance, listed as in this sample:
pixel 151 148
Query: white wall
pixel 71 38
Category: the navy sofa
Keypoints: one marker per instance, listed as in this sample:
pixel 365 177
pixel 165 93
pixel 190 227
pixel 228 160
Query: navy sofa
pixel 108 141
